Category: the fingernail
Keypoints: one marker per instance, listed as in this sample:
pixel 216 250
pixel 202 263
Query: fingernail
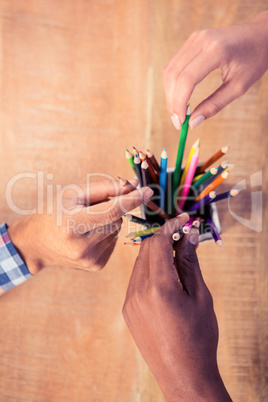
pixel 198 120
pixel 134 182
pixel 176 121
pixel 184 214
pixel 147 193
pixel 194 237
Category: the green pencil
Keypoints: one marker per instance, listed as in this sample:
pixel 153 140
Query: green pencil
pixel 205 177
pixel 130 159
pixel 182 142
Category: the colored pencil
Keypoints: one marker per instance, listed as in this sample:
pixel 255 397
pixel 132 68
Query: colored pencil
pixel 181 147
pixel 137 163
pixel 142 156
pixel 213 185
pixel 220 170
pixel 197 222
pixel 150 204
pixel 197 177
pixel 135 151
pixel 211 173
pixel 142 232
pixel 212 159
pixel 176 236
pixel 139 239
pixel 130 159
pixel 187 227
pixel 137 219
pixel 223 166
pixel 206 200
pixel 163 178
pixel 195 146
pixel 188 181
pixel 214 233
pixel 125 183
pixel 225 195
pixel 153 161
pixel 154 176
pixel 145 173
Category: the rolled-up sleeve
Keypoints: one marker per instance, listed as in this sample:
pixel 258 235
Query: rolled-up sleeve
pixel 13 270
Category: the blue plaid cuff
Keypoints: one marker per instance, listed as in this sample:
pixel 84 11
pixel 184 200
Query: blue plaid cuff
pixel 13 271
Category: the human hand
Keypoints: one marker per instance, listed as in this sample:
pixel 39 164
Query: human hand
pixel 169 311
pixel 79 228
pixel 240 51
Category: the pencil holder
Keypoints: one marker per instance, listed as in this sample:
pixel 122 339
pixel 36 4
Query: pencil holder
pixel 206 212
pixel 190 189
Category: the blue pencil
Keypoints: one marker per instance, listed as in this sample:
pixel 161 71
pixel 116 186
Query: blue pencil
pixel 163 178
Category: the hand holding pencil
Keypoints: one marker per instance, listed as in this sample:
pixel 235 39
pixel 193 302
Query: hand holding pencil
pixel 91 218
pixel 239 51
pixel 169 312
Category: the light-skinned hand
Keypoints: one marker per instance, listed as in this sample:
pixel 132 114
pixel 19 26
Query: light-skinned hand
pixel 239 51
pixel 169 312
pixel 81 229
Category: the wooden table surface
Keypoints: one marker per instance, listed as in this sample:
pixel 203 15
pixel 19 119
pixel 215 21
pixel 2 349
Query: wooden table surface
pixel 81 80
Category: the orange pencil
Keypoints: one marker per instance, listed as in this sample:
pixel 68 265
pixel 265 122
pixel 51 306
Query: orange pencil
pixel 154 162
pixel 142 156
pixel 150 204
pixel 213 185
pixel 211 160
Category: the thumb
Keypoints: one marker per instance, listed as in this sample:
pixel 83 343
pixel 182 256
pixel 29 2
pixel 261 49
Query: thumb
pixel 187 264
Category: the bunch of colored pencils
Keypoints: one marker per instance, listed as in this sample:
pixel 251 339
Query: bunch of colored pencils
pixel 190 189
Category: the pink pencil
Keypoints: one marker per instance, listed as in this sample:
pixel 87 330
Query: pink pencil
pixel 188 181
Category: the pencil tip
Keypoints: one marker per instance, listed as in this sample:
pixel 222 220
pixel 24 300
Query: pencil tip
pixel 188 112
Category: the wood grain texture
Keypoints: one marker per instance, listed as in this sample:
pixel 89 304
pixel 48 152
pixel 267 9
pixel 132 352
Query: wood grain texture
pixel 80 80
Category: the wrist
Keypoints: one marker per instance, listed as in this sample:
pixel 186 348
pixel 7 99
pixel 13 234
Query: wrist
pixel 210 389
pixel 260 25
pixel 23 240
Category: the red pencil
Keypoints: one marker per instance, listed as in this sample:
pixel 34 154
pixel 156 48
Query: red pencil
pixel 153 160
pixel 150 204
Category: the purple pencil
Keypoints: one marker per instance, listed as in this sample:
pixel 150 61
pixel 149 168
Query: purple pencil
pixel 187 227
pixel 214 232
pixel 199 204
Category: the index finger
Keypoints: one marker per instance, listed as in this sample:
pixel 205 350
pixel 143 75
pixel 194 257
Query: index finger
pixel 176 64
pixel 101 190
pixel 111 210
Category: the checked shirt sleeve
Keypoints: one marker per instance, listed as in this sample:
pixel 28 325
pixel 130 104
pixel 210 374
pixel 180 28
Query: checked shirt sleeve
pixel 13 271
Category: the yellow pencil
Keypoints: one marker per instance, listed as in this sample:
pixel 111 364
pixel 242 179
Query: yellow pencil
pixel 132 235
pixel 192 151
